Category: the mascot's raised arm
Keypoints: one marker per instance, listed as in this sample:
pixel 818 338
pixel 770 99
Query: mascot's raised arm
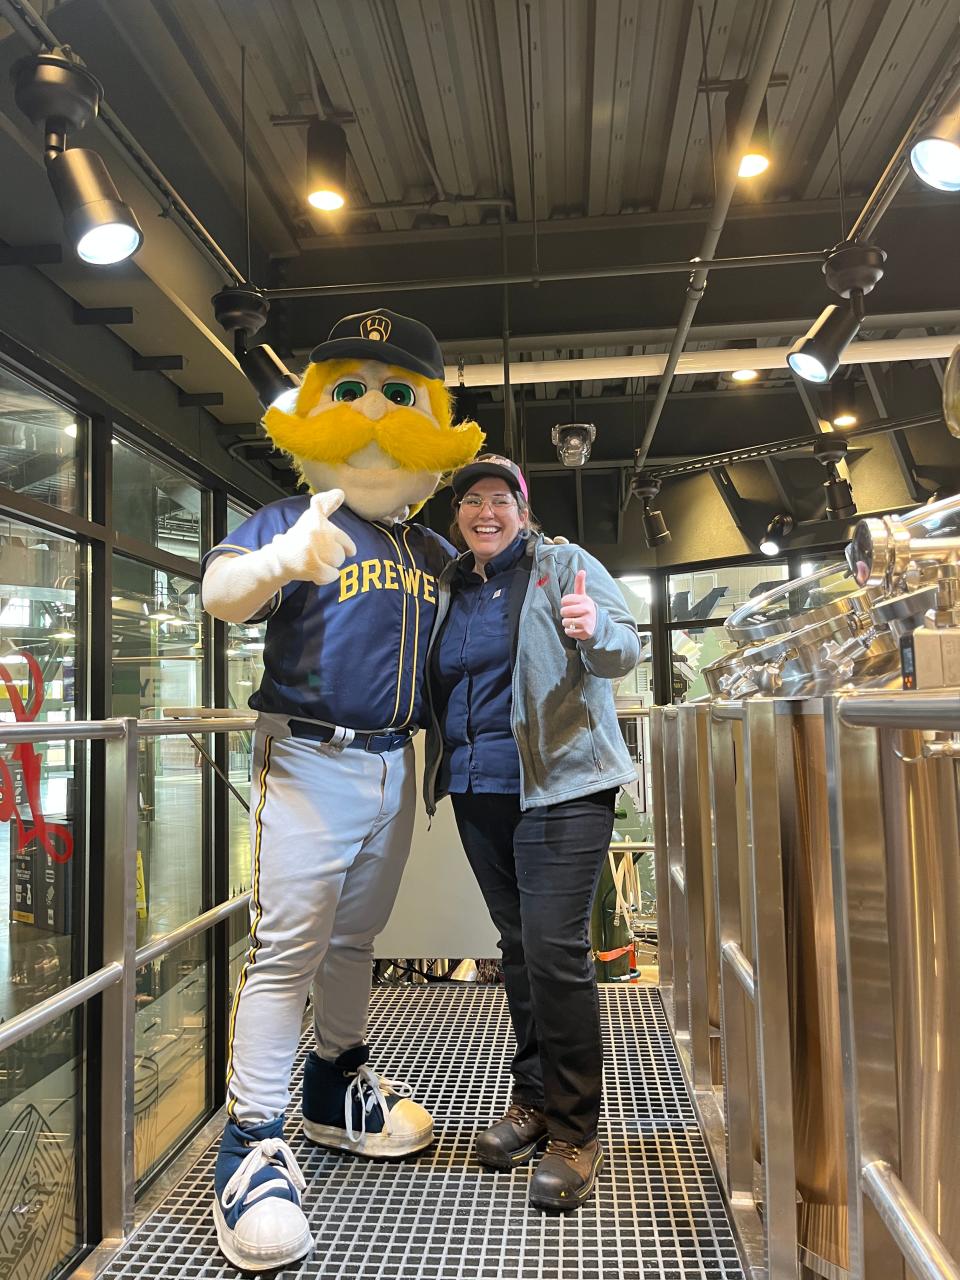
pixel 348 589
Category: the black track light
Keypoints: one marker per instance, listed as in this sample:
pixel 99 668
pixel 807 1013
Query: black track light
pixel 273 382
pixel 851 271
pixel 840 503
pixel 646 487
pixel 102 228
pixel 326 165
pixel 242 310
pixel 55 90
pixel 935 155
pixel 816 356
pixel 829 451
pixel 777 532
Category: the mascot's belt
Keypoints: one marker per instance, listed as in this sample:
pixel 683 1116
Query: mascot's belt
pixel 335 736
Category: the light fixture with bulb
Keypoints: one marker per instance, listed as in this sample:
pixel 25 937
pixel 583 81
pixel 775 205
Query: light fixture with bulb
pixel 756 159
pixel 840 504
pixel 777 532
pixel 844 407
pixel 851 271
pixel 573 442
pixel 326 166
pixel 54 89
pixel 744 375
pixel 242 310
pixel 935 155
pixel 646 487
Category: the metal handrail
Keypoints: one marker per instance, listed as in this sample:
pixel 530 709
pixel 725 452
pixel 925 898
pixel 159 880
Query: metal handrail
pixel 198 924
pixel 902 711
pixel 62 730
pixel 922 1248
pixel 24 1024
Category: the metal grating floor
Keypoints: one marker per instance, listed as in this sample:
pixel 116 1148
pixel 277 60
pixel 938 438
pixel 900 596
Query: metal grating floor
pixel 657 1212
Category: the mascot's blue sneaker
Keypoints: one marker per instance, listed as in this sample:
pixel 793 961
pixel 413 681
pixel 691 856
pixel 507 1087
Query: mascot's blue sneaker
pixel 348 1106
pixel 260 1224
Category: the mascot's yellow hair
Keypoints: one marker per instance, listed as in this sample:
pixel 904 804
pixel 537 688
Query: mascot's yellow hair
pixel 418 441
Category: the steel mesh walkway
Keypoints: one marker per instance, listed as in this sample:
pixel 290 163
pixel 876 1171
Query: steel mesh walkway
pixel 657 1212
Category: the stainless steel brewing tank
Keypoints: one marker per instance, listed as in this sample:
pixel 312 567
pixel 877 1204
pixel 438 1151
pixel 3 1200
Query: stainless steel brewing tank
pixel 920 801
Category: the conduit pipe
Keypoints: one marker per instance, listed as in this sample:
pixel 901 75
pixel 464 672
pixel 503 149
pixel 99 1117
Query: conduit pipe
pixel 725 360
pixel 682 266
pixel 773 33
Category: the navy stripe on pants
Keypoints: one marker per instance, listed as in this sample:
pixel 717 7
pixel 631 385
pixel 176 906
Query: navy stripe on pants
pixel 538 873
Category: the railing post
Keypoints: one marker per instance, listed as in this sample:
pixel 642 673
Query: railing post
pixel 661 862
pixel 764 759
pixel 119 1003
pixel 695 823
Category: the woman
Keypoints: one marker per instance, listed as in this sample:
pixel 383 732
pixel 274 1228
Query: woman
pixel 525 741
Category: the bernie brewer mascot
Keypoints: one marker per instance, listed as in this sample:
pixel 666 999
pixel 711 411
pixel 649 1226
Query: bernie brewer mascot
pixel 349 596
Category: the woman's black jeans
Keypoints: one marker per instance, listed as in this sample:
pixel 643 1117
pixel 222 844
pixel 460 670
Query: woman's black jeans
pixel 538 873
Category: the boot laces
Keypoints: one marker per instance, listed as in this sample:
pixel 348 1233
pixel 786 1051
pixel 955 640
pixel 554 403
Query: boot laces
pixel 370 1091
pixel 519 1113
pixel 565 1150
pixel 269 1152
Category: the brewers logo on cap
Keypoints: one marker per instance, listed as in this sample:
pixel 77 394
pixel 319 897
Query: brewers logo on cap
pixel 375 329
pixel 386 336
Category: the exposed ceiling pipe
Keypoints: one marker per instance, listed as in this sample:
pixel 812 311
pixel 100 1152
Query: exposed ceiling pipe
pixel 753 99
pixel 725 360
pixel 549 277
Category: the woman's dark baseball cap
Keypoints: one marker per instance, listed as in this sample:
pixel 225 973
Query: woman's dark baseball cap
pixel 489 464
pixel 385 336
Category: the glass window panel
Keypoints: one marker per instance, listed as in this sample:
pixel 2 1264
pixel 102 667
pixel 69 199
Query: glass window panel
pixel 244 670
pixel 41 1150
pixel 692 649
pixel 40 445
pixel 155 503
pixel 235 517
pixel 158 641
pixel 636 588
pixel 42 822
pixel 638 685
pixel 171 1079
pixel 715 593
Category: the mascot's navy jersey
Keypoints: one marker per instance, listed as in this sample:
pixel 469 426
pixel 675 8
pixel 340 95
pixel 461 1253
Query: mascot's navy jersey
pixel 351 653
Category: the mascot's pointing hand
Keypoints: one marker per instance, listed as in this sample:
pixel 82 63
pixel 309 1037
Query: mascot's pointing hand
pixel 313 549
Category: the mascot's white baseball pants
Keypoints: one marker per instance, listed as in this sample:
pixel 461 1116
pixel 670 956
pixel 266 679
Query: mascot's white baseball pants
pixel 330 835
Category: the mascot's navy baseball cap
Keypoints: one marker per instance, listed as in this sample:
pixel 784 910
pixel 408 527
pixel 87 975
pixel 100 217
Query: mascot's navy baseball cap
pixel 489 464
pixel 385 336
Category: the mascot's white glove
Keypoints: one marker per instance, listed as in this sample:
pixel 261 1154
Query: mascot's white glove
pixel 236 588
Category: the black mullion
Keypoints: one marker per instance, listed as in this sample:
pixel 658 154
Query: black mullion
pixel 99 496
pixel 662 670
pixel 22 507
pixel 220 934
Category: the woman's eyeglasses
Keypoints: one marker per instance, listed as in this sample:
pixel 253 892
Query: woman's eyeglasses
pixel 498 502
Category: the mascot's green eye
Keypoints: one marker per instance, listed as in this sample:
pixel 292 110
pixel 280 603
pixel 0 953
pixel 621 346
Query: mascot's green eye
pixel 400 393
pixel 349 389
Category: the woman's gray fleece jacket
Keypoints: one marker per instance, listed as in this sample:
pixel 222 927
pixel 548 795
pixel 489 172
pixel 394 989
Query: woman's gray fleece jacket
pixel 564 717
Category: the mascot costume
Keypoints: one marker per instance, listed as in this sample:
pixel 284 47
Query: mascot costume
pixel 348 589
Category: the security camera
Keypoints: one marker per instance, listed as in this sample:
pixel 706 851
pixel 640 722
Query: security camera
pixel 573 442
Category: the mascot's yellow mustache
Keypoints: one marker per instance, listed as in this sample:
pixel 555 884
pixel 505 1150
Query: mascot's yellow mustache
pixel 406 435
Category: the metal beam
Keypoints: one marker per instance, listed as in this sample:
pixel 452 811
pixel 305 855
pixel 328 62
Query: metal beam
pixel 903 454
pixel 754 95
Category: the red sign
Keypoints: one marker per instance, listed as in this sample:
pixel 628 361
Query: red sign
pixel 55 840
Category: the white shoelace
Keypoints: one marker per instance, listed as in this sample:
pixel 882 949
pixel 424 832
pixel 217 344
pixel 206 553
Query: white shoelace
pixel 269 1152
pixel 369 1090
